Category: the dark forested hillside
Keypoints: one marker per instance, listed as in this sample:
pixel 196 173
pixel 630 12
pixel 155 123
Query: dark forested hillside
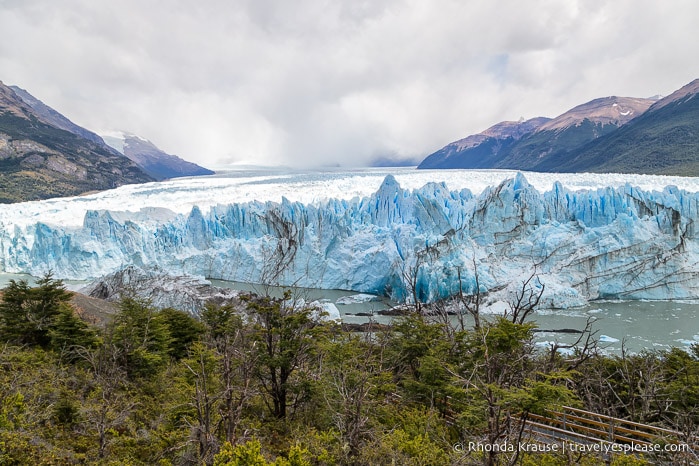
pixel 662 141
pixel 38 161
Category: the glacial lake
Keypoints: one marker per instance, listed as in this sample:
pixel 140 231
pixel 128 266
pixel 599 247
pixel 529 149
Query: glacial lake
pixel 638 325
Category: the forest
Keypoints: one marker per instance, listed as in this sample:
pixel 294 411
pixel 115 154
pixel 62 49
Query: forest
pixel 268 381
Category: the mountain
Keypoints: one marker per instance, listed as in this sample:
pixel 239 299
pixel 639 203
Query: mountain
pixel 145 154
pixel 555 145
pixel 152 160
pixel 664 140
pixel 552 143
pixel 482 150
pixel 39 160
pixel 54 118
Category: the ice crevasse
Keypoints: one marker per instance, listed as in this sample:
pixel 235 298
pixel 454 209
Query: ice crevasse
pixel 617 243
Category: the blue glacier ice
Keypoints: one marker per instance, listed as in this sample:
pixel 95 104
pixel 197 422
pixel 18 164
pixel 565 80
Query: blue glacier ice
pixel 615 242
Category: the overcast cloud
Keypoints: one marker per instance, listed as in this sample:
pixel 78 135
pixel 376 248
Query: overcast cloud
pixel 323 81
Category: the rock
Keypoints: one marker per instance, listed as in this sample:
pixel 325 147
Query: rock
pixel 181 292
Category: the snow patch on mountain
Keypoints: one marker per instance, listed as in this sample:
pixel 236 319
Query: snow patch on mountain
pixel 607 110
pixel 115 140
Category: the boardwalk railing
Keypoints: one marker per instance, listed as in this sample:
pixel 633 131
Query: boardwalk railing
pixel 602 428
pixel 572 425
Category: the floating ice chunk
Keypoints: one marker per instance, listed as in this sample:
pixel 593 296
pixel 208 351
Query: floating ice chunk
pixel 550 344
pixel 607 339
pixel 357 299
pixel 331 311
pixel 566 351
pixel 497 307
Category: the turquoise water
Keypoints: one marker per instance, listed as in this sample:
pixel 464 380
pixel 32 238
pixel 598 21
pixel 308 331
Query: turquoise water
pixel 637 325
pixel 6 277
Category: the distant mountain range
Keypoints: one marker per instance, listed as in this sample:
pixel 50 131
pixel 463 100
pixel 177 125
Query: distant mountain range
pixel 43 154
pixel 152 160
pixel 611 134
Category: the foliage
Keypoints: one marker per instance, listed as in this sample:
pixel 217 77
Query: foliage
pixel 286 335
pixel 142 335
pixel 264 381
pixel 250 454
pixel 69 333
pixel 183 329
pixel 29 314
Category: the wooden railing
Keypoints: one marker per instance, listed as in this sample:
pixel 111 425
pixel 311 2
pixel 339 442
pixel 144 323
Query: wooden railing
pixel 603 428
pixel 573 425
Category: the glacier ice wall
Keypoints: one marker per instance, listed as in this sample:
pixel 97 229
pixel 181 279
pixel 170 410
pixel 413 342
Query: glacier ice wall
pixel 430 242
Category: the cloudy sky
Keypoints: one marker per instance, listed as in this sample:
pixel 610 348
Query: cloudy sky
pixel 336 81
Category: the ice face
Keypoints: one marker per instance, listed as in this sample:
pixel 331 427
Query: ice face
pixel 428 242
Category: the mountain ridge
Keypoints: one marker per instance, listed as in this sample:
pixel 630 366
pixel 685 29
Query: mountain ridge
pixel 689 89
pixel 484 145
pixel 157 163
pixel 53 117
pixel 589 137
pixel 39 160
pixel 604 110
pixel 664 140
pixel 43 154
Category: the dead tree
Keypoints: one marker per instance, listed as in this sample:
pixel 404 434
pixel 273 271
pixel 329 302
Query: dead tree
pixel 526 300
pixel 287 243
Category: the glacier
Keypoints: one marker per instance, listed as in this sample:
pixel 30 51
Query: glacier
pixel 426 241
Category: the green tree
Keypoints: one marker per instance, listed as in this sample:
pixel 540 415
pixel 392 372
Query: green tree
pixel 183 328
pixel 203 388
pixel 250 454
pixel 142 336
pixel 234 342
pixel 416 436
pixel 287 334
pixel 69 333
pixel 414 336
pixel 27 314
pixel 354 378
pixel 501 384
pixel 420 356
pixel 247 454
